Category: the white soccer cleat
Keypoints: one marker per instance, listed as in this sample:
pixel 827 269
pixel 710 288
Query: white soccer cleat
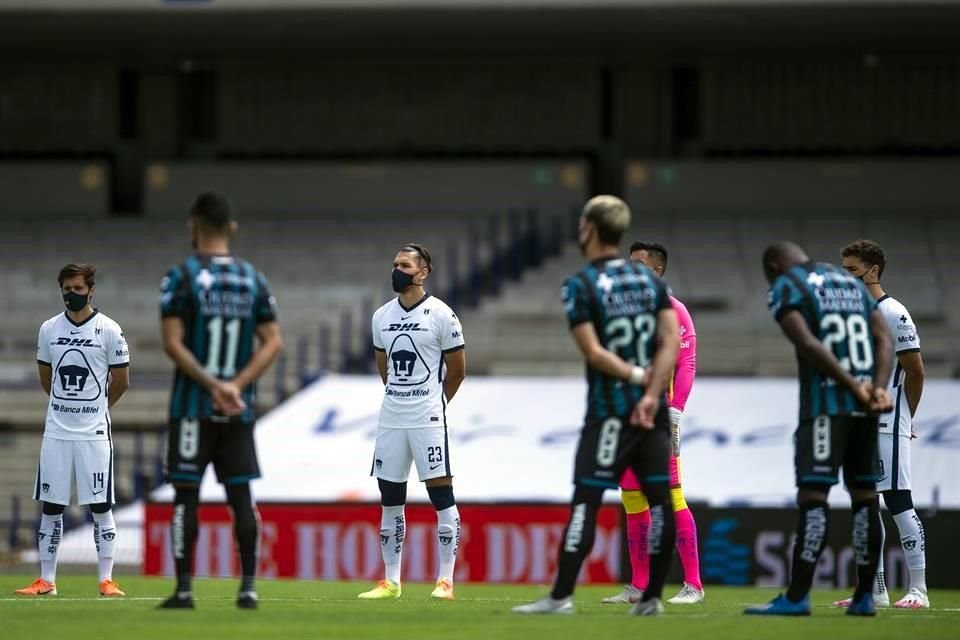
pixel 880 601
pixel 915 599
pixel 443 590
pixel 881 597
pixel 689 594
pixel 651 607
pixel 629 595
pixel 547 605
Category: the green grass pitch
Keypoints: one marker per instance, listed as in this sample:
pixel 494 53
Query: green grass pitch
pixel 295 609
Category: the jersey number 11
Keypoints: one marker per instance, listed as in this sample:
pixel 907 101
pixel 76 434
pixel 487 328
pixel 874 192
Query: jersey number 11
pixel 216 329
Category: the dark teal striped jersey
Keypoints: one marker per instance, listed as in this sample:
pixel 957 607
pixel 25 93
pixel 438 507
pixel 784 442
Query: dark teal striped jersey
pixel 220 299
pixel 622 300
pixel 837 309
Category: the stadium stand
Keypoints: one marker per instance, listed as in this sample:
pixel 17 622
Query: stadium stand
pixel 324 234
pixel 522 332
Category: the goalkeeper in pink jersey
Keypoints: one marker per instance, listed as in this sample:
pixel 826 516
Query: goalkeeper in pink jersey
pixel 635 504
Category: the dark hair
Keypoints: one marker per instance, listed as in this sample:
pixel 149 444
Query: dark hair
pixel 422 253
pixel 868 251
pixel 611 217
pixel 655 249
pixel 74 269
pixel 212 211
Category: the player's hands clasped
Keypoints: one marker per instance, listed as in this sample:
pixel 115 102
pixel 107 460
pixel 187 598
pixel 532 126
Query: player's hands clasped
pixel 228 399
pixel 880 401
pixel 863 393
pixel 645 412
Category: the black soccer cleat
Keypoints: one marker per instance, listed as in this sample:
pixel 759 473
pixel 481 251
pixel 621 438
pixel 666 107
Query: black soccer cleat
pixel 247 600
pixel 178 601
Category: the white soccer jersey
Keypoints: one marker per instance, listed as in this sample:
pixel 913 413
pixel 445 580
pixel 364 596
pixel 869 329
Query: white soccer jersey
pixel 81 356
pixel 415 340
pixel 905 339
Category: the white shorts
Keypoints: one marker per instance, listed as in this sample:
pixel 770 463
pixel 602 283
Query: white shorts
pixel 894 462
pixel 90 461
pixel 397 448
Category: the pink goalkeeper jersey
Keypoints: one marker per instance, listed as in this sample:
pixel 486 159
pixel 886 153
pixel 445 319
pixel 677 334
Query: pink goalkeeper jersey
pixel 686 369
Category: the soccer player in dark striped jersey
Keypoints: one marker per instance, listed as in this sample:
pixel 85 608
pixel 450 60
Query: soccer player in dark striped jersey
pixel 844 356
pixel 624 325
pixel 214 307
pixel 654 255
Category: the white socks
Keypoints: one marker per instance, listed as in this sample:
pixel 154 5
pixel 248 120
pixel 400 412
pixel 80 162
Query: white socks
pixel 48 544
pixel 105 537
pixel 51 532
pixel 393 528
pixel 448 535
pixel 879 583
pixel 914 543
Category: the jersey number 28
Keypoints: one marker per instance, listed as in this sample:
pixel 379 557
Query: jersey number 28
pixel 854 330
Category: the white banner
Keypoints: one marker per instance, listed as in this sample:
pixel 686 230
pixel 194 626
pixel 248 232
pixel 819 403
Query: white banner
pixel 513 439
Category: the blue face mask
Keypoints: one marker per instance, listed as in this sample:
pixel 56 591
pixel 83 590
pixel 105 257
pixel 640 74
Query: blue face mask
pixel 401 281
pixel 75 301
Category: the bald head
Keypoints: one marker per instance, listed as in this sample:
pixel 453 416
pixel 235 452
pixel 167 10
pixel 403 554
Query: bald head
pixel 780 257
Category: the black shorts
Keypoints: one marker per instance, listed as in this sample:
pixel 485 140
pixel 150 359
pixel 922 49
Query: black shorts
pixel 228 444
pixel 825 443
pixel 608 447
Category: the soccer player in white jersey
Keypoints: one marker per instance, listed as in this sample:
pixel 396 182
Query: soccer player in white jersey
pixel 867 260
pixel 83 361
pixel 421 359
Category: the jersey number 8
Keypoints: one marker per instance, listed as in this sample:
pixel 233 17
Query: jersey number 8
pixel 189 443
pixel 608 442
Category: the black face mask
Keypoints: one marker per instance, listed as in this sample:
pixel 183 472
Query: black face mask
pixel 401 281
pixel 75 302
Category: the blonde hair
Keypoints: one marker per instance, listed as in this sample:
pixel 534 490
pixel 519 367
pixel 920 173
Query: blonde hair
pixel 610 215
